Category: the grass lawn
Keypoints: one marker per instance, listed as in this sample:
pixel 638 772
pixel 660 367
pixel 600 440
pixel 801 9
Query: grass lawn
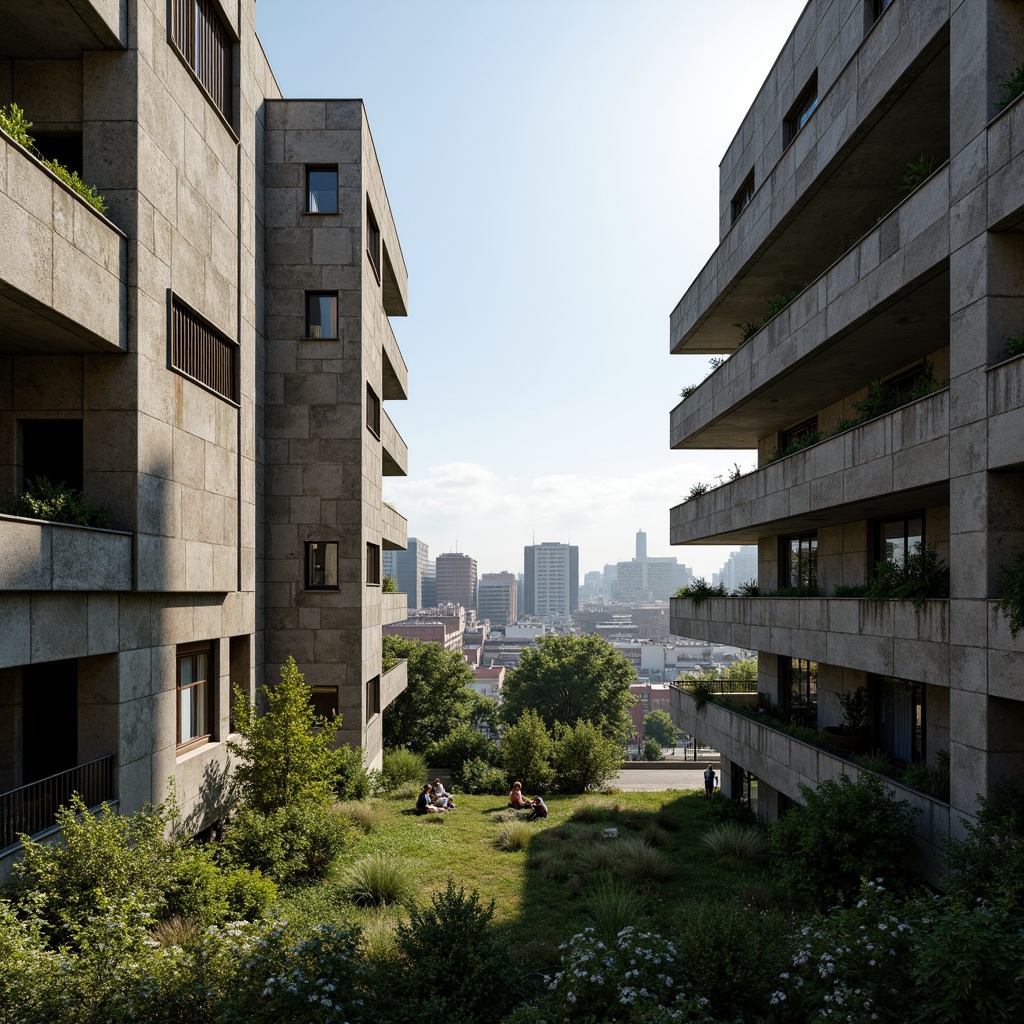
pixel 546 892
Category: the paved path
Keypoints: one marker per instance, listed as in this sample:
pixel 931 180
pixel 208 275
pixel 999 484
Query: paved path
pixel 687 775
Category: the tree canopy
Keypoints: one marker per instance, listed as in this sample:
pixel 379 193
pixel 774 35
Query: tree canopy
pixel 437 698
pixel 569 679
pixel 658 725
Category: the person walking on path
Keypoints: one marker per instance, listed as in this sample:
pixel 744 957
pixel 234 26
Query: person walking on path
pixel 709 781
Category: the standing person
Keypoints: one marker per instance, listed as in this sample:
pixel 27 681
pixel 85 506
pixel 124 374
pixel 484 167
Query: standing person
pixel 709 781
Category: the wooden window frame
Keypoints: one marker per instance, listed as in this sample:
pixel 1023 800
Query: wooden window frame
pixel 372 411
pixel 309 585
pixel 201 352
pixel 801 111
pixel 185 652
pixel 321 168
pixel 373 575
pixel 205 44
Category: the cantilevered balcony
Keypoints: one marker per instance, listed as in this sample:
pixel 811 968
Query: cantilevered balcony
pixel 393 682
pixel 890 638
pixel 36 555
pixel 866 472
pixel 55 29
pixel 395 375
pixel 395 451
pixel 1006 413
pixel 880 306
pixel 394 529
pixel 889 104
pixel 1005 152
pixel 394 608
pixel 63 265
pixel 785 763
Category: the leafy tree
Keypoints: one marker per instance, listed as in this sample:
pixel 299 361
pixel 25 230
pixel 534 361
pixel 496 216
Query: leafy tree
pixel 652 749
pixel 526 750
pixel 569 679
pixel 437 699
pixel 658 726
pixel 285 755
pixel 584 758
pixel 462 744
pixel 742 671
pixel 484 714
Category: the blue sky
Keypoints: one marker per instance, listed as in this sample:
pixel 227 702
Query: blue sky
pixel 553 173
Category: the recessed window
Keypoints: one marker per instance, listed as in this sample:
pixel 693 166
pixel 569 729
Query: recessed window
pixel 321 190
pixel 321 565
pixel 800 566
pixel 879 7
pixel 800 689
pixel 54 449
pixel 200 352
pixel 325 701
pixel 204 44
pixel 801 111
pixel 743 197
pixel 372 412
pixel 321 314
pixel 799 431
pixel 372 240
pixel 898 538
pixel 195 693
pixel 373 564
pixel 900 710
pixel 372 697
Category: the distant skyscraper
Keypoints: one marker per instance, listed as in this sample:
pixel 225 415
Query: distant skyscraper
pixel 641 546
pixel 497 598
pixel 644 579
pixel 409 568
pixel 552 579
pixel 456 579
pixel 740 568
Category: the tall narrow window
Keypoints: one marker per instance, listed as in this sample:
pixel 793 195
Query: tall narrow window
pixel 372 412
pixel 321 190
pixel 321 314
pixel 372 697
pixel 205 45
pixel 373 564
pixel 800 689
pixel 800 567
pixel 195 693
pixel 372 240
pixel 321 565
pixel 801 111
pixel 199 351
pixel 901 719
pixel 743 197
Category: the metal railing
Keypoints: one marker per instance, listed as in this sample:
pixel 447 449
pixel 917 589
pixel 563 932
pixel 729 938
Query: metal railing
pixel 31 809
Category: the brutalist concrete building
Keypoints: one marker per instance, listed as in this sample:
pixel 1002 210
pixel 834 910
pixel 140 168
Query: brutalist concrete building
pixel 210 359
pixel 873 199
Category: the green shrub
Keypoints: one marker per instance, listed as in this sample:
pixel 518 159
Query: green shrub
pixel 643 862
pixel 462 744
pixel 699 590
pixel 919 577
pixel 1012 87
pixel 289 844
pixel 652 750
pixel 703 693
pixel 918 172
pixel 513 836
pixel 849 590
pixel 732 841
pixel 933 779
pixel 696 491
pixel 352 781
pixel 584 758
pixel 71 179
pixel 389 585
pixel 613 905
pixel 1011 583
pixel 56 503
pixel 365 816
pixel 15 124
pixel 248 894
pixel 845 831
pixel 401 766
pixel 526 749
pixel 378 879
pixel 1014 345
pixel 478 776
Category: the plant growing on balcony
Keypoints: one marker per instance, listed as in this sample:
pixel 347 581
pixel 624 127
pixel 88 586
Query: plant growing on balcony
pixel 700 590
pixel 703 693
pixel 1013 86
pixel 849 590
pixel 933 780
pixel 696 491
pixel 389 585
pixel 56 503
pixel 920 577
pixel 749 589
pixel 918 171
pixel 1011 582
pixel 856 705
pixel 688 390
pixel 1014 345
pixel 776 304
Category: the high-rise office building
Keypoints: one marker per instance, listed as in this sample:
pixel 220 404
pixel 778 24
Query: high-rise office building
pixel 644 579
pixel 456 579
pixel 740 567
pixel 409 569
pixel 497 598
pixel 551 579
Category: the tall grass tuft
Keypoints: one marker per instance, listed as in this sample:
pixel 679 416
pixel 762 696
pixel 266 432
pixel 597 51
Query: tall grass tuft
pixel 506 814
pixel 614 905
pixel 513 836
pixel 178 931
pixel 604 857
pixel 377 880
pixel 667 820
pixel 655 834
pixel 551 863
pixel 405 791
pixel 590 812
pixel 733 841
pixel 364 816
pixel 377 937
pixel 644 863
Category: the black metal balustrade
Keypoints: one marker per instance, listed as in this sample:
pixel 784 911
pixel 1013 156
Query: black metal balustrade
pixel 31 809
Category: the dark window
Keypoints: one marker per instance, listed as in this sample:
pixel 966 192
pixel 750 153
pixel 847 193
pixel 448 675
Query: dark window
pixel 325 701
pixel 64 147
pixel 372 697
pixel 743 197
pixel 900 718
pixel 321 314
pixel 321 190
pixel 800 689
pixel 52 448
pixel 372 411
pixel 898 538
pixel 879 7
pixel 239 667
pixel 901 384
pixel 205 45
pixel 321 565
pixel 373 564
pixel 49 733
pixel 801 111
pixel 195 693
pixel 200 352
pixel 372 239
pixel 797 432
pixel 800 565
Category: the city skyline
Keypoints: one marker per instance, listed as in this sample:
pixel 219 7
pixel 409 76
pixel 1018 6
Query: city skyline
pixel 549 176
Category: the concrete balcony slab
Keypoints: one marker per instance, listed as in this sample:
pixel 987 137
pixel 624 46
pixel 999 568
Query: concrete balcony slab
pixel 1006 414
pixel 394 529
pixel 889 638
pixel 393 682
pixel 63 265
pixel 395 373
pixel 58 29
pixel 394 608
pixel 36 555
pixel 395 451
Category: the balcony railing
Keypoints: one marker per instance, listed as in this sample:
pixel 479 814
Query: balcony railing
pixel 31 809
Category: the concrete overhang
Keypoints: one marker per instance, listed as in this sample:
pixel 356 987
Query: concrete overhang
pixel 394 452
pixel 395 375
pixel 806 220
pixel 60 29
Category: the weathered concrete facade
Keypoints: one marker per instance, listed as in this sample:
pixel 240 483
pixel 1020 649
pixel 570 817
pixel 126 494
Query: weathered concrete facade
pixel 97 314
pixel 888 281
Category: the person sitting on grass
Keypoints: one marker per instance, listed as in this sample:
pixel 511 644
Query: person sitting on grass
pixel 423 804
pixel 538 809
pixel 439 798
pixel 516 798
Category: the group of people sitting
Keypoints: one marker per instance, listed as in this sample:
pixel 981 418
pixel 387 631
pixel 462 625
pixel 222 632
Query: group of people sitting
pixel 434 799
pixel 536 806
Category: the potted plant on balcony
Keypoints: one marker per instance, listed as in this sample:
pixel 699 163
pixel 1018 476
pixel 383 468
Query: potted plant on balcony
pixel 853 734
